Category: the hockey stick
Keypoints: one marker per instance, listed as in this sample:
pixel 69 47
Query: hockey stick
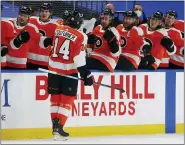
pixel 76 78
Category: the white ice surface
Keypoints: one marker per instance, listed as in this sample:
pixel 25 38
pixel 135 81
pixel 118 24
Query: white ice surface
pixel 141 139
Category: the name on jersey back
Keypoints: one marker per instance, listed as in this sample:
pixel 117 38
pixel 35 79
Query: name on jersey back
pixel 65 34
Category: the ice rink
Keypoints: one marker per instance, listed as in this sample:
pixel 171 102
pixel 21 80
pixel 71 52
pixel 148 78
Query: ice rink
pixel 144 139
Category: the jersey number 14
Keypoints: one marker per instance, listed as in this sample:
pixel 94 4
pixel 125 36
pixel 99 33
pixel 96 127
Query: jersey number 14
pixel 64 49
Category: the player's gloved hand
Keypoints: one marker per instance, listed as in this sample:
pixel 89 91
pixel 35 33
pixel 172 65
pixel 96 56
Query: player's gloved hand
pixel 108 35
pixel 183 52
pixel 23 37
pixel 167 43
pixel 4 50
pixel 48 41
pixel 146 49
pixel 91 39
pixel 147 61
pixel 88 80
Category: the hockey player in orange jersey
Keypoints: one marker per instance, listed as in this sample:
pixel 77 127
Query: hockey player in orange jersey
pixel 105 44
pixel 19 47
pixel 67 57
pixel 132 43
pixel 7 34
pixel 37 56
pixel 162 45
pixel 176 60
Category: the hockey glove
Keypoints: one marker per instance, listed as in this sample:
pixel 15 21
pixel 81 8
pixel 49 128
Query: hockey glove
pixel 168 44
pixel 91 39
pixel 85 74
pixel 146 49
pixel 183 52
pixel 23 37
pixel 48 41
pixel 147 62
pixel 108 35
pixel 88 80
pixel 4 50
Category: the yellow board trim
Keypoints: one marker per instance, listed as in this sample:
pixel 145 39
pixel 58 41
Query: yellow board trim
pixel 41 133
pixel 180 128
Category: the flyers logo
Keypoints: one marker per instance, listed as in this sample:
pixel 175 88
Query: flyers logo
pixel 123 42
pixel 98 42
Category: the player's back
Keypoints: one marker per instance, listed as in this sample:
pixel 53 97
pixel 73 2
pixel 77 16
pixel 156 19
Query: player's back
pixel 67 44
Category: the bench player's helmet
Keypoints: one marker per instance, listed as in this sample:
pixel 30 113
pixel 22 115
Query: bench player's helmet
pixel 25 10
pixel 74 19
pixel 172 13
pixel 131 14
pixel 158 15
pixel 156 19
pixel 46 6
pixel 130 19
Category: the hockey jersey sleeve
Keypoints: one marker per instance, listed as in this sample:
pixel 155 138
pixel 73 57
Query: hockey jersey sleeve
pixel 157 52
pixel 137 37
pixel 7 32
pixel 79 53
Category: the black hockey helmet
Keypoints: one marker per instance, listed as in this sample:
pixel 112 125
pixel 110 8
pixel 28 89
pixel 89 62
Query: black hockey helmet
pixel 46 6
pixel 25 10
pixel 131 14
pixel 74 19
pixel 157 15
pixel 172 13
pixel 107 12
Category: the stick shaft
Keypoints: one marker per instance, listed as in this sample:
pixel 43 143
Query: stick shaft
pixel 76 78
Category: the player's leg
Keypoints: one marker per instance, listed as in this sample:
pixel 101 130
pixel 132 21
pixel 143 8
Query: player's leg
pixel 95 64
pixel 124 64
pixel 69 92
pixel 54 90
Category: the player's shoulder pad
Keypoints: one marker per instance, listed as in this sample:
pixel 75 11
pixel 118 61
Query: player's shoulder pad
pixel 176 30
pixel 115 32
pixel 34 17
pixel 143 26
pixel 33 26
pixel 138 30
pixel 180 21
pixel 10 24
pixel 119 27
pixel 163 31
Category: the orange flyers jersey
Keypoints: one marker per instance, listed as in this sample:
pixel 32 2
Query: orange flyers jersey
pixel 131 43
pixel 38 55
pixel 7 34
pixel 17 57
pixel 158 51
pixel 101 49
pixel 179 25
pixel 177 58
pixel 68 51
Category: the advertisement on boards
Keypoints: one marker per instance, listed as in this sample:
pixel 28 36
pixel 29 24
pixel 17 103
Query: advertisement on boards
pixel 25 102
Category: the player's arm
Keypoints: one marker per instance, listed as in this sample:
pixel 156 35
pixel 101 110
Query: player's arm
pixel 4 50
pixel 113 38
pixel 158 52
pixel 80 61
pixel 137 37
pixel 22 37
pixel 91 40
